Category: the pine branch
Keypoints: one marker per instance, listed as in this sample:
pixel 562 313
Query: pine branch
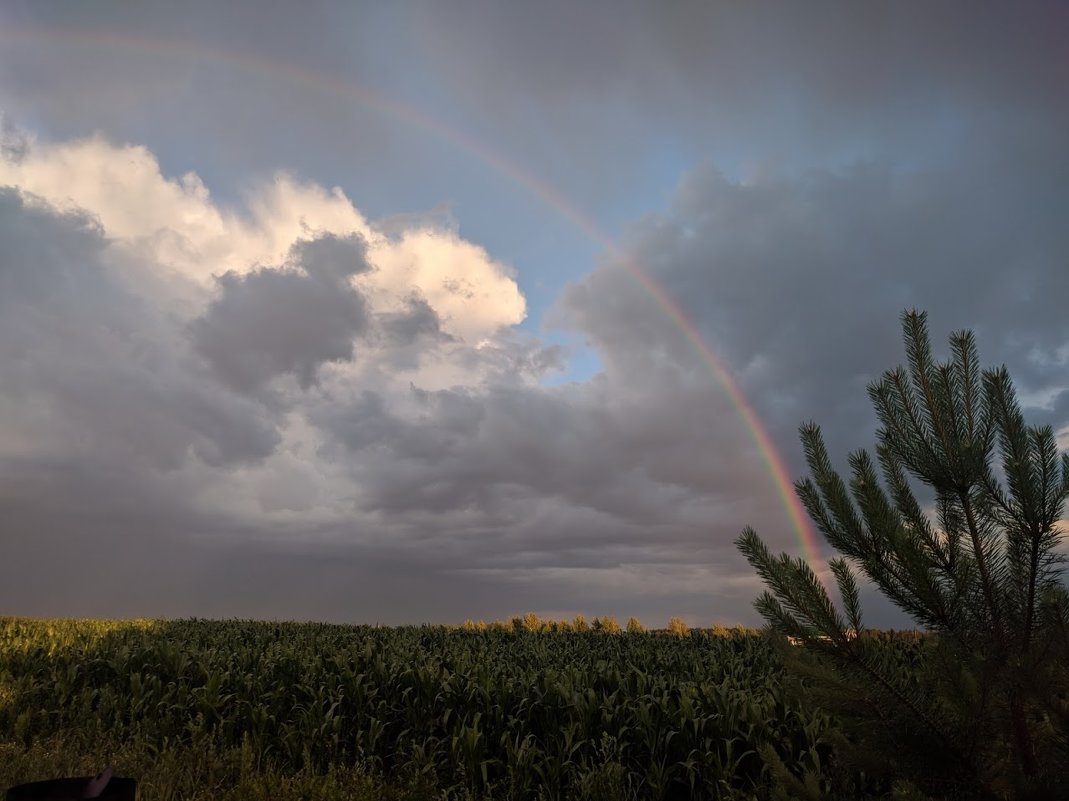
pixel 984 573
pixel 848 591
pixel 967 372
pixel 981 565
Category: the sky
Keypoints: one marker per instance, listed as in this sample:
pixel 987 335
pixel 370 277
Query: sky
pixel 433 311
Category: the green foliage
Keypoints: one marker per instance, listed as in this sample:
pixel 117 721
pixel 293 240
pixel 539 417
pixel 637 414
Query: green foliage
pixel 281 710
pixel 982 712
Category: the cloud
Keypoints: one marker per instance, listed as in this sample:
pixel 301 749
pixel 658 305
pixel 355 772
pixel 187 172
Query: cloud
pixel 404 416
pixel 361 392
pixel 367 397
pixel 613 104
pixel 161 222
pixel 775 83
pixel 91 369
pixel 220 392
pixel 275 321
pixel 331 258
pixel 408 330
pixel 798 283
pixel 117 336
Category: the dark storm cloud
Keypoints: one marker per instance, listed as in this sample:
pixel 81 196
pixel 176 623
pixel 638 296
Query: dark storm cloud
pixel 91 539
pixel 876 158
pixel 768 80
pixel 417 320
pixel 45 252
pixel 405 335
pixel 79 348
pixel 594 97
pixel 492 454
pixel 289 320
pixel 331 258
pixel 798 282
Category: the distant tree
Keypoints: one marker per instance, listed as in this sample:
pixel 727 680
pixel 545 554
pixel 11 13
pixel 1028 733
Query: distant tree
pixel 634 626
pixel 980 708
pixel 610 626
pixel 580 624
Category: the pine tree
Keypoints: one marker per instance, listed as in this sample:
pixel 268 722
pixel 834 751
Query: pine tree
pixel 978 707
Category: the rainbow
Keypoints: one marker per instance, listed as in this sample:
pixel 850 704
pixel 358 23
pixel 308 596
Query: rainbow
pixel 358 93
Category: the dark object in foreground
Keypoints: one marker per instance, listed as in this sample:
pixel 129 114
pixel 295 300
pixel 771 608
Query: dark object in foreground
pixel 101 787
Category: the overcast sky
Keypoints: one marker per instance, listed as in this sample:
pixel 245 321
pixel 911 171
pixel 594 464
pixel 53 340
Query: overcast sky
pixel 409 312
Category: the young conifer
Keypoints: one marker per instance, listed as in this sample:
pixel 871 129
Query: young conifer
pixel 980 707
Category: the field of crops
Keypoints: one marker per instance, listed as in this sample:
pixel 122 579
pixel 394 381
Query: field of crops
pixel 496 714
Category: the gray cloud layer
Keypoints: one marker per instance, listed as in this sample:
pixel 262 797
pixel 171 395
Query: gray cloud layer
pixel 276 321
pixel 88 367
pixel 289 428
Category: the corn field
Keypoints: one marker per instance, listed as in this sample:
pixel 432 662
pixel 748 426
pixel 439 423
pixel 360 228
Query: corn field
pixel 510 714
